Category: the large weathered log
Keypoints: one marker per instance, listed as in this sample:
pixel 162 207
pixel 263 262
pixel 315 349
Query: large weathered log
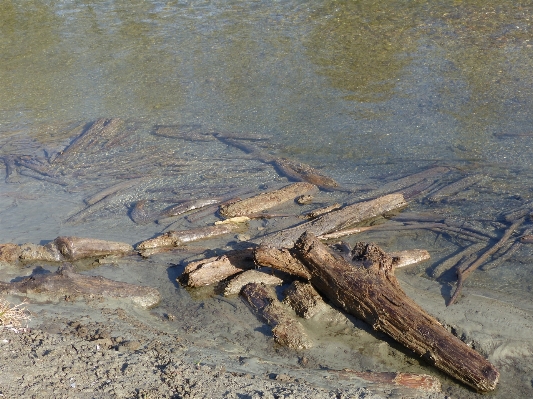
pixel 369 290
pixel 286 330
pixel 68 284
pixel 74 248
pixel 335 220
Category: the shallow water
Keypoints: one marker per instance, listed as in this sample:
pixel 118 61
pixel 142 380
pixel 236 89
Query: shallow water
pixel 365 92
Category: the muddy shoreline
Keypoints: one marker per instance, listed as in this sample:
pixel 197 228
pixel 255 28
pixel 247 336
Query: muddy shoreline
pixel 104 347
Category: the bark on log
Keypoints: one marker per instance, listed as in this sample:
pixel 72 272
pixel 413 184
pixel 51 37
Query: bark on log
pixel 66 283
pixel 304 299
pixel 286 330
pixel 369 290
pixel 335 220
pixel 9 253
pixel 280 259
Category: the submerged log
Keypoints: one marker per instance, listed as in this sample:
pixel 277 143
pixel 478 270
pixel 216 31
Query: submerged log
pixel 421 382
pixel 65 283
pixel 302 172
pixel 335 220
pixel 455 187
pixel 404 183
pixel 464 269
pixel 266 200
pixel 286 330
pixel 123 185
pixel 369 290
pixel 98 132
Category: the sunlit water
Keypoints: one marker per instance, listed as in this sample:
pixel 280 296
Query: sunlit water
pixel 365 92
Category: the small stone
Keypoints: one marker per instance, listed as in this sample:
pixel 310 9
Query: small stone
pixel 133 345
pixel 243 237
pixel 283 377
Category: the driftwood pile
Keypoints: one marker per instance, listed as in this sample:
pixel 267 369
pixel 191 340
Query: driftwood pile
pixel 358 280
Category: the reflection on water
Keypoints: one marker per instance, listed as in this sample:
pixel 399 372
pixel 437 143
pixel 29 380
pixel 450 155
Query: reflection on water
pixel 365 91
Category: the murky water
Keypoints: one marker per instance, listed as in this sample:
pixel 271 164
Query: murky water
pixel 366 92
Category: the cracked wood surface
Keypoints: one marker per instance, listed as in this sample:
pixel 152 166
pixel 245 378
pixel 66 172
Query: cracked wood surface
pixel 369 290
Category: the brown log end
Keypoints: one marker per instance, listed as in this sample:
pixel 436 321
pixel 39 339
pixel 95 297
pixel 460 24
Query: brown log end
pixel 280 259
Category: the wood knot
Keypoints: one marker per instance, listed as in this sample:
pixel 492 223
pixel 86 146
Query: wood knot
pixel 370 253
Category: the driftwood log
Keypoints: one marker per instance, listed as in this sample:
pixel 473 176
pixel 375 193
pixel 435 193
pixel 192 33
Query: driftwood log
pixel 175 238
pixel 266 200
pixel 213 270
pixel 302 172
pixel 64 248
pixel 368 289
pixel 336 220
pixel 65 283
